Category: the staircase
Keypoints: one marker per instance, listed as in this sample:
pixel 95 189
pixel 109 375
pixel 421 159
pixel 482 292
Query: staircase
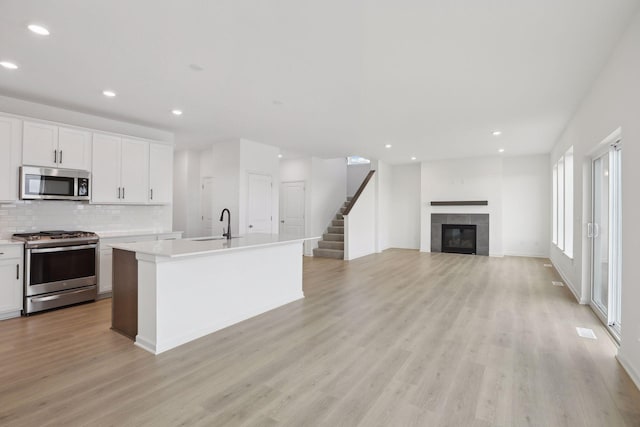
pixel 332 243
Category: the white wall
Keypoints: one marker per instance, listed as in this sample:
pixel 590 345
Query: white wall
pixel 360 237
pixel 222 163
pixel 404 220
pixel 463 179
pixel 613 102
pixel 526 205
pixel 329 186
pixel 517 190
pixel 186 197
pixel 382 180
pixel 355 176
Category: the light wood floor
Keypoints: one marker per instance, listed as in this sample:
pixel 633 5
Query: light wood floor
pixel 394 339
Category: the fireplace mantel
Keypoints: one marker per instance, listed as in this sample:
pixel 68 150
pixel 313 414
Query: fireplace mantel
pixel 460 203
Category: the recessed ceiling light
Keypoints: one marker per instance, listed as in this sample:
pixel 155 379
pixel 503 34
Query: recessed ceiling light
pixel 387 146
pixel 497 132
pixel 279 156
pixel 501 150
pixel 38 29
pixel 109 93
pixel 176 112
pixel 413 158
pixel 9 65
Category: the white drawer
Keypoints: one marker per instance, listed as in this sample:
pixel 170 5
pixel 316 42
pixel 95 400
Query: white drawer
pixel 10 251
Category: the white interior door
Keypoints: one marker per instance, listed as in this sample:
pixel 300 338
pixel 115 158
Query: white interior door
pixel 206 205
pixel 292 195
pixel 259 204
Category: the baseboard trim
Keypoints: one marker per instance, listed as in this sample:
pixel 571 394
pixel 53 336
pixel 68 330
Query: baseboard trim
pixel 104 295
pixel 524 255
pixel 569 284
pixel 635 377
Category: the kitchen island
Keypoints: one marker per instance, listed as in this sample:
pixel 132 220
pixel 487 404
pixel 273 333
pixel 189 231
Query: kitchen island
pixel 189 288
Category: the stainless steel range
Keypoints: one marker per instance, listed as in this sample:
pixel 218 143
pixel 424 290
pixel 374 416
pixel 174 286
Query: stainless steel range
pixel 59 268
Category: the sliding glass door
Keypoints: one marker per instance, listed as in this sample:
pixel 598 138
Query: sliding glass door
pixel 605 233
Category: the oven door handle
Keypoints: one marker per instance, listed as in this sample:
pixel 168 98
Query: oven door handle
pixel 63 248
pixel 56 296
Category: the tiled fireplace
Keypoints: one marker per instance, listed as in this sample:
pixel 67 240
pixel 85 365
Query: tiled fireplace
pixel 459 229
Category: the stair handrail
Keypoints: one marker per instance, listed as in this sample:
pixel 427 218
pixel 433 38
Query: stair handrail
pixel 360 190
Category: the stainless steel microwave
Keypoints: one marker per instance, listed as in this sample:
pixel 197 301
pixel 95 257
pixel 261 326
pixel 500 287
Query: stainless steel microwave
pixel 38 183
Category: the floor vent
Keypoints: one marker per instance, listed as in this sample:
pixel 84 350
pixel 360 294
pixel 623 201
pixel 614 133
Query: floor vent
pixel 586 333
pixel 557 283
pixel 548 265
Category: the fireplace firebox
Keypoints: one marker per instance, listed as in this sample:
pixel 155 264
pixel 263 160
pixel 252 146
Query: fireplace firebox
pixel 459 238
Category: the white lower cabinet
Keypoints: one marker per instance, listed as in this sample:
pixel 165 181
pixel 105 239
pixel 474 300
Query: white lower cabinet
pixel 11 282
pixel 105 273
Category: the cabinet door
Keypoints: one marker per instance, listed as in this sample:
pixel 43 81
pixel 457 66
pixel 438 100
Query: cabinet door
pixel 10 287
pixel 135 171
pixel 74 149
pixel 40 144
pixel 106 169
pixel 160 173
pixel 10 154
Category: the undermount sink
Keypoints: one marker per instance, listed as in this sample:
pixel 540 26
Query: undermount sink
pixel 207 239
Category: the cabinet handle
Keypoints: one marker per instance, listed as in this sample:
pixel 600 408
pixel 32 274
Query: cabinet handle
pixel 152 194
pixel 18 271
pixel 123 192
pixel 60 156
pixel 1 253
pixel 118 192
pixel 55 156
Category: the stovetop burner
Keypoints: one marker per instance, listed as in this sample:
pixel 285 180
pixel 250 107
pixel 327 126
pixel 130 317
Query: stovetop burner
pixel 54 235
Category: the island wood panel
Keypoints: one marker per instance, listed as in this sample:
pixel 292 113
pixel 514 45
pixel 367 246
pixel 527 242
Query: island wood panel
pixel 124 318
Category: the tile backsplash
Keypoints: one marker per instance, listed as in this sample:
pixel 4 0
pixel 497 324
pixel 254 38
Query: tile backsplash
pixel 27 216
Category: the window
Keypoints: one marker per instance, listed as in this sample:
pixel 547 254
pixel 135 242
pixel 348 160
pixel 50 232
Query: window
pixel 554 235
pixel 560 243
pixel 357 160
pixel 568 205
pixel 562 194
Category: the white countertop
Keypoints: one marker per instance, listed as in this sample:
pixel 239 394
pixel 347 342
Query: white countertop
pixel 199 246
pixel 116 234
pixel 10 242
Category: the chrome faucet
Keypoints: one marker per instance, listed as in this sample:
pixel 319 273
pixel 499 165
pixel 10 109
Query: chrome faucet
pixel 228 233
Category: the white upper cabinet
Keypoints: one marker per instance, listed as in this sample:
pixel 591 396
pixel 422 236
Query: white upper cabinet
pixel 40 144
pixel 105 168
pixel 74 149
pixel 120 170
pixel 160 174
pixel 135 171
pixel 10 154
pixel 56 147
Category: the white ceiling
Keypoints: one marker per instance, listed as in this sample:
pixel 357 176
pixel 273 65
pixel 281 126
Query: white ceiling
pixel 325 77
